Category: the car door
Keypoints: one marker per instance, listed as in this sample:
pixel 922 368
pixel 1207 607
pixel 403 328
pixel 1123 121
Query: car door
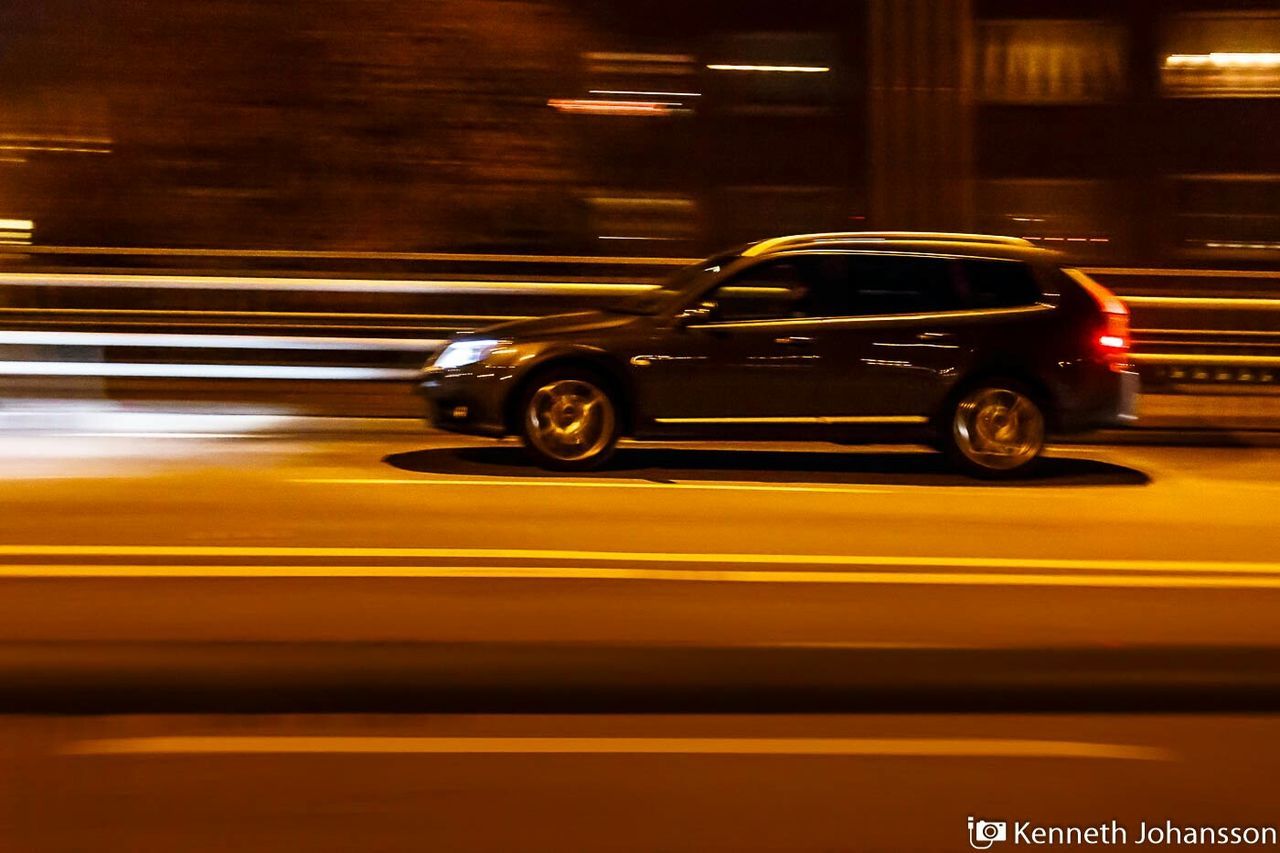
pixel 916 324
pixel 900 339
pixel 750 360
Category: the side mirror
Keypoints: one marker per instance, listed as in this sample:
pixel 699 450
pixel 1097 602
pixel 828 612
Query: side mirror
pixel 695 314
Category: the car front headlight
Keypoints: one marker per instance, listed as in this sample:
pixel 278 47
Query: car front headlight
pixel 462 353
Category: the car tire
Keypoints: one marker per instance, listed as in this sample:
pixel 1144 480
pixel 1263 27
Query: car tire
pixel 995 429
pixel 569 419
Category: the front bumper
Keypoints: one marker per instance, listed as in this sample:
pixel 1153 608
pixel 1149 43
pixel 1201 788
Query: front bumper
pixel 467 400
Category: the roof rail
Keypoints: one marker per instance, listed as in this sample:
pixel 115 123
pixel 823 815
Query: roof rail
pixel 777 243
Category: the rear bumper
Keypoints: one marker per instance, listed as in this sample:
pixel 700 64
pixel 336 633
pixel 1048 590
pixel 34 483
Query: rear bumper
pixel 1130 388
pixel 1103 400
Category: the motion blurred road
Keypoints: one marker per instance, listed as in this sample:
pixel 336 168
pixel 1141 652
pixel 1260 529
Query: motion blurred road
pixel 204 535
pixel 644 783
pixel 679 544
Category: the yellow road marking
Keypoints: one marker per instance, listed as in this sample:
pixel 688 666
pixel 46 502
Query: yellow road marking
pixel 904 561
pixel 900 747
pixel 902 578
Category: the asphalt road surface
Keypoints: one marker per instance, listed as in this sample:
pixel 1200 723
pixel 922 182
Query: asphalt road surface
pixel 199 537
pixel 235 531
pixel 575 783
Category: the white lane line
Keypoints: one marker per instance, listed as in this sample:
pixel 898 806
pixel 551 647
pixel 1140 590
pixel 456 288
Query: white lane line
pixel 893 747
pixel 594 573
pixel 200 371
pixel 676 557
pixel 684 485
pixel 530 288
pixel 267 342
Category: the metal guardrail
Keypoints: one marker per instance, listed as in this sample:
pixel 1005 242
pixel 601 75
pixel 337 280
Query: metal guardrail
pixel 322 255
pixel 140 252
pixel 141 325
pixel 469 287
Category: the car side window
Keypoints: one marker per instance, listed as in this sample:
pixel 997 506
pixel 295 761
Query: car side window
pixel 997 284
pixel 773 290
pixel 894 284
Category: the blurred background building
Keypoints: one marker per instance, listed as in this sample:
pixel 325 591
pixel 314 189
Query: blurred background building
pixel 1115 129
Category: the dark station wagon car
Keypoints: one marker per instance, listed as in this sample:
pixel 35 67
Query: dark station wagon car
pixel 977 345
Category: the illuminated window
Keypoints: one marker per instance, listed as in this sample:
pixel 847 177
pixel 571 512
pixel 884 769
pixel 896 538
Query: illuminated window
pixel 1050 62
pixel 1221 56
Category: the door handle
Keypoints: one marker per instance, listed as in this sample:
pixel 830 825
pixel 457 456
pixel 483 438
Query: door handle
pixel 793 341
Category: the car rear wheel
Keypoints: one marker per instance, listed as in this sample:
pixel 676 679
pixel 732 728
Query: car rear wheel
pixel 569 421
pixel 997 429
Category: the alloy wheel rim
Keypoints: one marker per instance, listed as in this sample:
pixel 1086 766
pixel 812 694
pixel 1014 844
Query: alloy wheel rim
pixel 570 419
pixel 999 428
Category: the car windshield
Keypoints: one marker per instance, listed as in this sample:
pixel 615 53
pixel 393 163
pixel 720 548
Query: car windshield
pixel 653 301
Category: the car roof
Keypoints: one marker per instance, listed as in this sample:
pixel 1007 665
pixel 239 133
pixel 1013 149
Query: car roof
pixel 905 242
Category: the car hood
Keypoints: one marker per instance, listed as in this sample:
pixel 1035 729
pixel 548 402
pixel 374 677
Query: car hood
pixel 559 324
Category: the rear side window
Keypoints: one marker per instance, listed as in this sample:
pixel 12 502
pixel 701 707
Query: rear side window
pixel 996 284
pixel 893 284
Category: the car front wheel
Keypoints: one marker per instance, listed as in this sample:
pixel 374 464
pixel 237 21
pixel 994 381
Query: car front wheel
pixel 997 429
pixel 569 421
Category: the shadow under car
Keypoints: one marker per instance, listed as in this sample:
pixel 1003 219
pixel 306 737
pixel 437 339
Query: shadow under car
pixel 824 467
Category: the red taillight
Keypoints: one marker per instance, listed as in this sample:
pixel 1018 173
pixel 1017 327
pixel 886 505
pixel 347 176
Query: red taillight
pixel 1112 339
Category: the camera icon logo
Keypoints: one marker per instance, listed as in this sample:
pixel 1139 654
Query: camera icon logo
pixel 984 833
